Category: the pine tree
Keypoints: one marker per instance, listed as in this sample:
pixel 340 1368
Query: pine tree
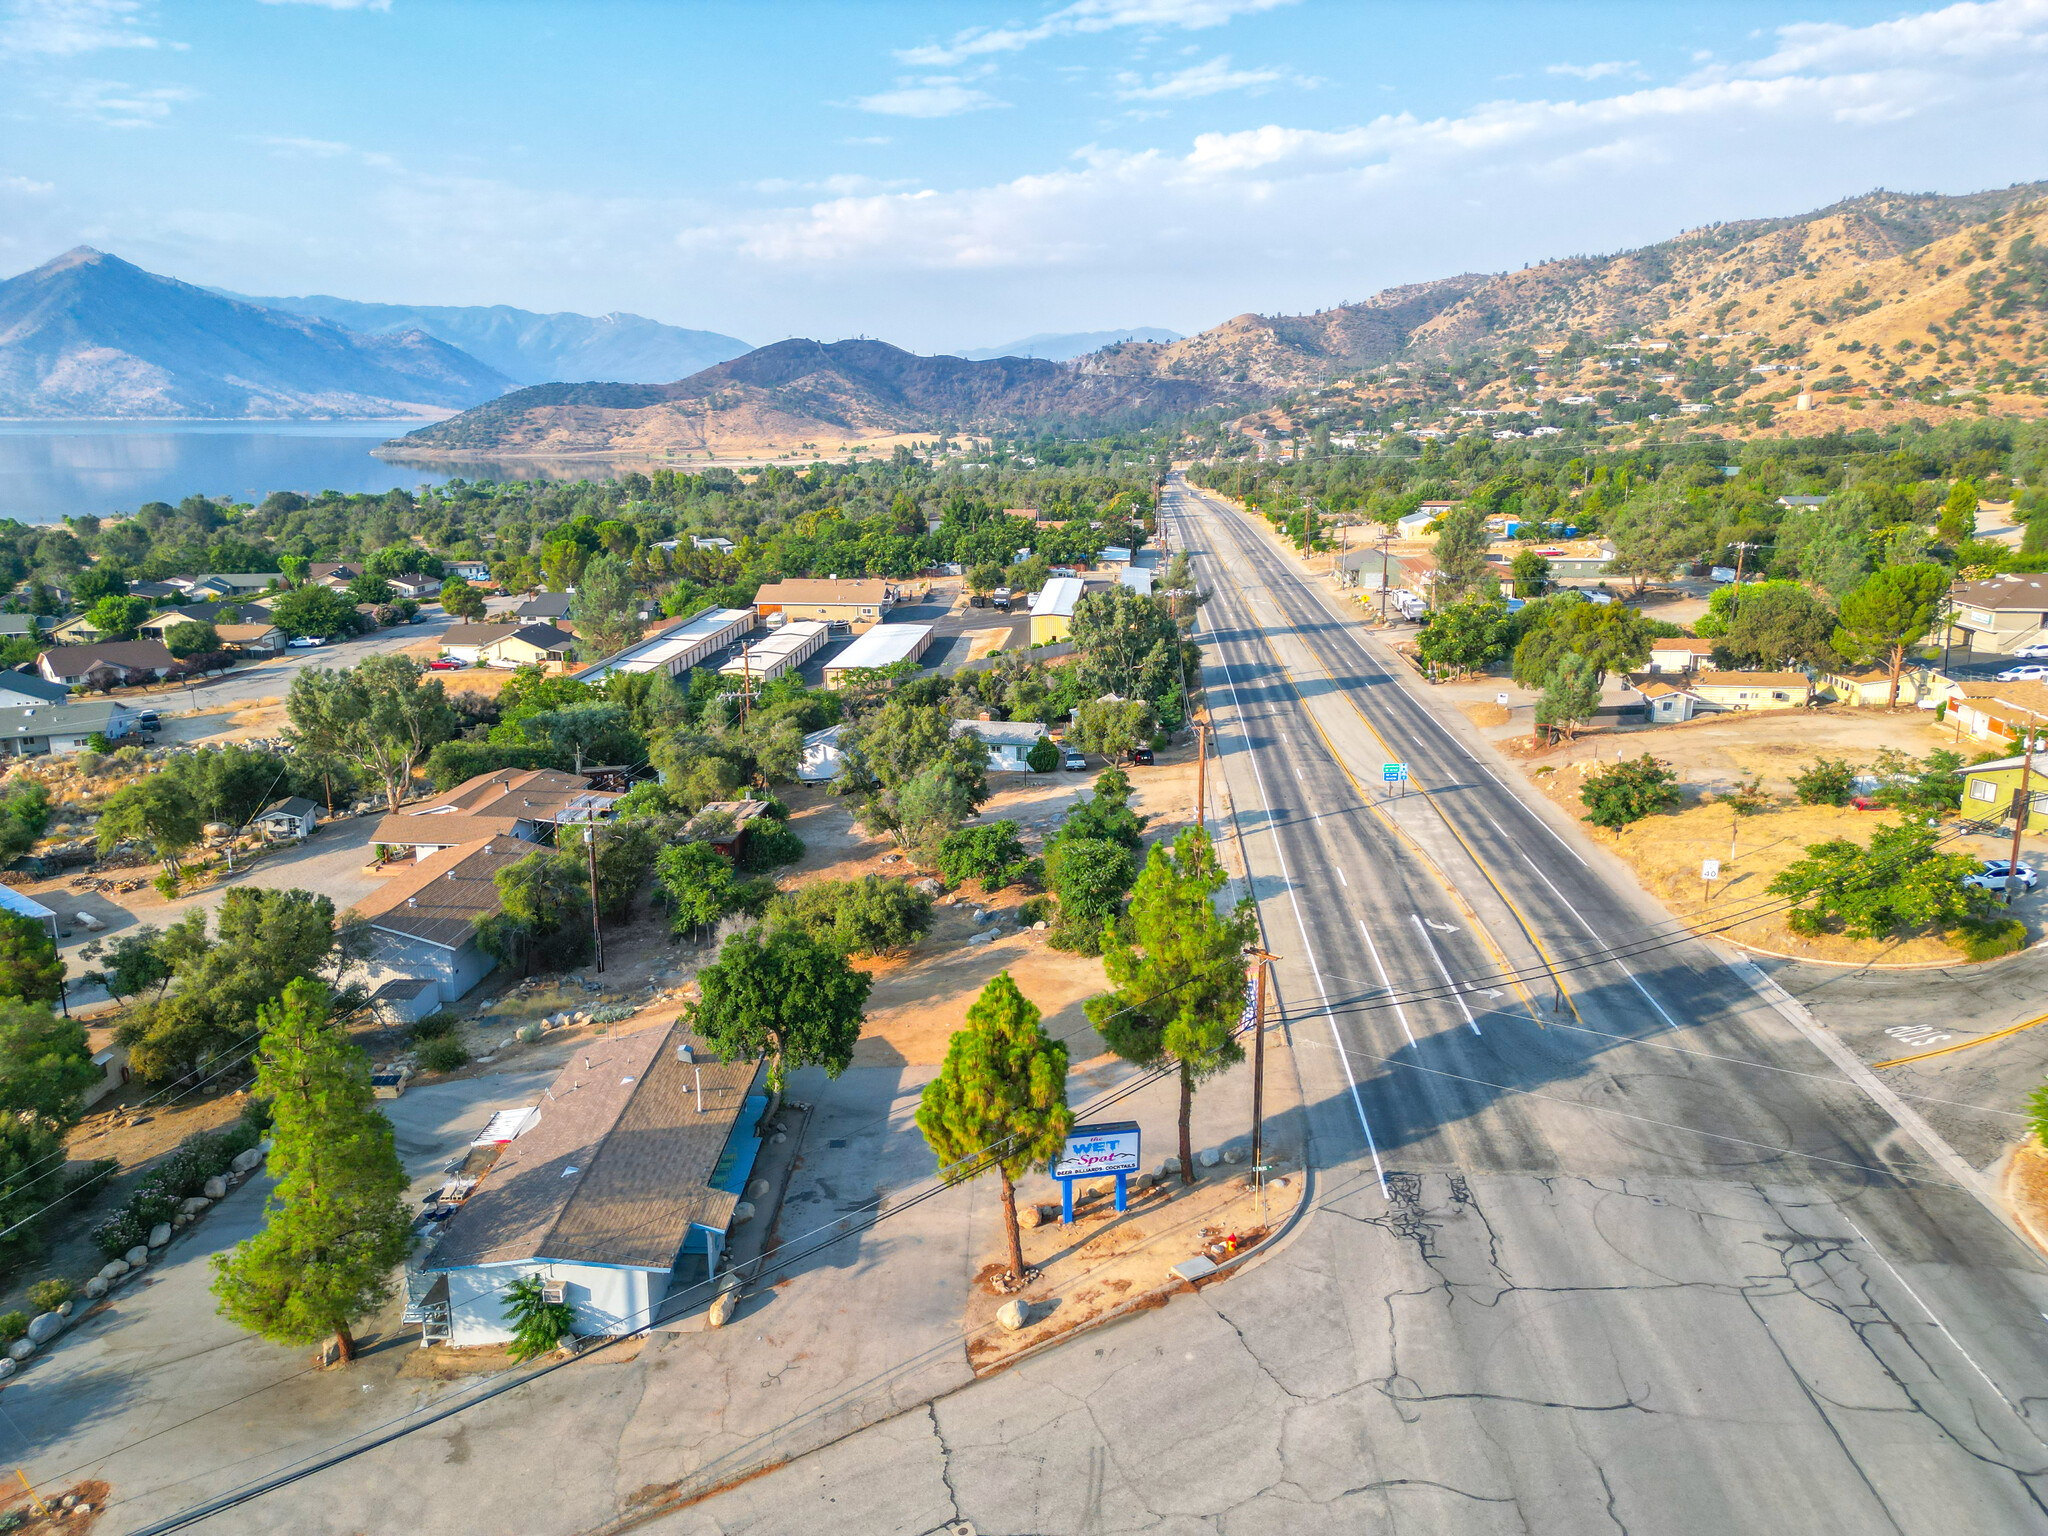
pixel 1002 1092
pixel 337 1225
pixel 1180 985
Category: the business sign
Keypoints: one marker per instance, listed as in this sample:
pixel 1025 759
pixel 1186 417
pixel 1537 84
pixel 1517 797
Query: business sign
pixel 1096 1151
pixel 1393 773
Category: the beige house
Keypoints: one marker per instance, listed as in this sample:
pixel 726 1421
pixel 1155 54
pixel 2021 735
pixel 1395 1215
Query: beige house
pixel 1684 654
pixel 1872 688
pixel 828 600
pixel 530 645
pixel 1752 690
pixel 2000 613
pixel 250 637
pixel 2000 711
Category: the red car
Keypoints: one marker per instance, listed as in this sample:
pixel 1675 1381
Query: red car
pixel 445 664
pixel 1865 803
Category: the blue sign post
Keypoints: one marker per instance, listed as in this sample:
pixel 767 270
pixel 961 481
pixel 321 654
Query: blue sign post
pixel 1093 1151
pixel 1395 773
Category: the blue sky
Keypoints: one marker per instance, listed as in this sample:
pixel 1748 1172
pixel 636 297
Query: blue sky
pixel 952 176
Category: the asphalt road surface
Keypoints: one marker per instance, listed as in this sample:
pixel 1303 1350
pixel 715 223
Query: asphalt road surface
pixel 1604 1236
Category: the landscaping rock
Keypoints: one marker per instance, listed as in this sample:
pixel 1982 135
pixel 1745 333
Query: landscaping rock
pixel 758 1190
pixel 159 1234
pixel 137 1256
pixel 1170 1167
pixel 21 1349
pixel 195 1204
pixel 1208 1157
pixel 722 1308
pixel 249 1161
pixel 986 937
pixel 928 886
pixel 8 1368
pixel 743 1213
pixel 1233 1154
pixel 180 1222
pixel 65 1309
pixel 96 1287
pixel 214 1188
pixel 1014 1314
pixel 113 1269
pixel 45 1328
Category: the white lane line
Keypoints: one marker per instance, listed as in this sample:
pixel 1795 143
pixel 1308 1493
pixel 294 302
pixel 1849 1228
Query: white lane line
pixel 1340 877
pixel 1399 1012
pixel 1307 949
pixel 1631 975
pixel 1423 929
pixel 1938 1323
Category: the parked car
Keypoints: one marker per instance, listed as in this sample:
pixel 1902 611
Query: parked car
pixel 1073 761
pixel 307 642
pixel 2033 671
pixel 1992 876
pixel 444 664
pixel 1866 803
pixel 2036 651
pixel 1142 756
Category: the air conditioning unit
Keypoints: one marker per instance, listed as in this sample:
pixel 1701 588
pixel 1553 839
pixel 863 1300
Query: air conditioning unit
pixel 554 1292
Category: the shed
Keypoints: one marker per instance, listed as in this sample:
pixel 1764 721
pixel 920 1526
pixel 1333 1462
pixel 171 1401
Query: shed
pixel 620 1190
pixel 289 820
pixel 723 824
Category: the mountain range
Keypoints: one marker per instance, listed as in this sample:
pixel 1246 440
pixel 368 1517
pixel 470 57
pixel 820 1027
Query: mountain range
pixel 534 348
pixel 1059 346
pixel 91 335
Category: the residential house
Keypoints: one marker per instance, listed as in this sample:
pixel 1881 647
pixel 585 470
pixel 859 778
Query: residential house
pixel 159 626
pixel 544 608
pixel 468 570
pixel 289 820
pixel 76 630
pixel 41 729
pixel 1682 654
pixel 525 804
pixel 1999 710
pixel 1999 614
pixel 1052 610
pixel 678 645
pixel 724 824
pixel 256 639
pixel 126 661
pixel 860 605
pixel 159 591
pixel 1138 578
pixel 423 922
pixel 332 573
pixel 415 587
pixel 1417 523
pixel 1752 690
pixel 1581 560
pixel 1990 790
pixel 1116 554
pixel 1009 741
pixel 1802 503
pixel 25 690
pixel 1919 687
pixel 617 1191
pixel 217 584
pixel 714 543
pixel 23 626
pixel 506 645
pixel 1665 702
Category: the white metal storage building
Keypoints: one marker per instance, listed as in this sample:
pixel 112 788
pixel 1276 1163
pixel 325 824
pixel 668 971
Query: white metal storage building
pixel 882 646
pixel 784 650
pixel 678 648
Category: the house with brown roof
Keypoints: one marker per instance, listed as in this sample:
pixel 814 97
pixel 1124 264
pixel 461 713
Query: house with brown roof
pixel 423 923
pixel 617 1191
pixel 531 799
pixel 125 661
pixel 2000 711
pixel 2000 613
pixel 857 604
pixel 1681 653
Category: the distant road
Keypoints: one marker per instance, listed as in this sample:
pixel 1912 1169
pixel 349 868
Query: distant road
pixel 270 679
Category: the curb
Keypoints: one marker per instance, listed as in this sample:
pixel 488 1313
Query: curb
pixel 2008 1181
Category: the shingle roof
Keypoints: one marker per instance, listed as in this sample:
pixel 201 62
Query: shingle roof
pixel 543 637
pixel 449 830
pixel 815 590
pixel 441 898
pixel 547 605
pixel 75 660
pixel 474 634
pixel 526 794
pixel 291 805
pixel 60 719
pixel 618 1166
pixel 2008 591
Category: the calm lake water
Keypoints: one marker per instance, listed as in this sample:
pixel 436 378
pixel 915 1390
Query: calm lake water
pixel 54 469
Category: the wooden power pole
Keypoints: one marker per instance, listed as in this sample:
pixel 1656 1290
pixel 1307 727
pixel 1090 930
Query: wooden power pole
pixel 596 933
pixel 1261 959
pixel 1202 774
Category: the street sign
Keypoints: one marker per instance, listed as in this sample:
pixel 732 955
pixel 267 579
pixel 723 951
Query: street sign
pixel 1710 869
pixel 1393 773
pixel 1096 1151
pixel 1500 698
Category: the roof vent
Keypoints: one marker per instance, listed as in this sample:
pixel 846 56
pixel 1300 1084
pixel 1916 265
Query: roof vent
pixel 412 901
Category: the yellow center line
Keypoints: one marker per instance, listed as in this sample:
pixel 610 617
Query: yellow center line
pixel 1900 1061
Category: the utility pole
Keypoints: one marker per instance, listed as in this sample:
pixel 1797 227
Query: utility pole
pixel 2022 803
pixel 596 933
pixel 1261 959
pixel 1386 573
pixel 1202 774
pixel 1736 596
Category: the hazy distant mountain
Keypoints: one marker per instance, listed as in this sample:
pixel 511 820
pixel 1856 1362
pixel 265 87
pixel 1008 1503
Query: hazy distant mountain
pixel 807 396
pixel 535 348
pixel 90 335
pixel 1058 347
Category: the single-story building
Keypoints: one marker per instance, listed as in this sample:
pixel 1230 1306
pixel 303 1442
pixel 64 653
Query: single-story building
pixel 2000 710
pixel 678 645
pixel 724 825
pixel 1009 741
pixel 44 728
pixel 1990 788
pixel 2000 613
pixel 23 626
pixel 784 650
pixel 859 604
pixel 334 574
pixel 618 1192
pixel 125 661
pixel 1872 687
pixel 1683 654
pixel 113 1065
pixel 544 607
pixel 820 760
pixel 882 646
pixel 423 835
pixel 1417 523
pixel 1665 702
pixel 209 584
pixel 414 586
pixel 23 690
pixel 1368 570
pixel 465 642
pixel 523 803
pixel 13 901
pixel 468 570
pixel 1116 554
pixel 406 999
pixel 1052 610
pixel 712 542
pixel 528 645
pixel 1801 503
pixel 1138 578
pixel 1753 690
pixel 158 626
pixel 256 638
pixel 424 921
pixel 76 630
pixel 289 820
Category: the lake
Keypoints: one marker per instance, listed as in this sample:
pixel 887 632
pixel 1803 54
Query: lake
pixel 54 469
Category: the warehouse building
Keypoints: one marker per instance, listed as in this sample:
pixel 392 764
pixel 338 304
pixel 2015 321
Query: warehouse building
pixel 828 600
pixel 679 647
pixel 882 646
pixel 783 651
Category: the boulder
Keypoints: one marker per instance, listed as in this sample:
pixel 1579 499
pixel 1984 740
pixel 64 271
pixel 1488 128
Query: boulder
pixel 743 1213
pixel 45 1328
pixel 137 1256
pixel 180 1222
pixel 21 1349
pixel 722 1308
pixel 96 1287
pixel 8 1368
pixel 1234 1154
pixel 159 1234
pixel 1208 1157
pixel 1038 927
pixel 987 936
pixel 758 1190
pixel 65 1309
pixel 1014 1314
pixel 113 1269
pixel 247 1162
pixel 928 886
pixel 1169 1168
pixel 195 1204
pixel 1031 1216
pixel 214 1188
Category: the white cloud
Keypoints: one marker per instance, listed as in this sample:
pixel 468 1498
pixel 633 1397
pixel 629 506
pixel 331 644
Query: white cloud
pixel 1205 80
pixel 1594 71
pixel 1081 19
pixel 932 97
pixel 116 104
pixel 21 186
pixel 63 28
pixel 317 149
pixel 338 5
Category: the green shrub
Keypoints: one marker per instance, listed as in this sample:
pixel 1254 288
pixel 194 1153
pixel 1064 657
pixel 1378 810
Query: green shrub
pixel 119 1232
pixel 770 844
pixel 443 1054
pixel 435 1025
pixel 12 1326
pixel 538 1325
pixel 85 1184
pixel 1043 756
pixel 49 1295
pixel 1830 781
pixel 1036 909
pixel 868 916
pixel 1986 938
pixel 1628 792
pixel 987 852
